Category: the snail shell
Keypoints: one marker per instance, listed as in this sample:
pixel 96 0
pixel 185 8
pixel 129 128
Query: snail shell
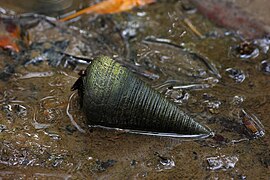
pixel 113 96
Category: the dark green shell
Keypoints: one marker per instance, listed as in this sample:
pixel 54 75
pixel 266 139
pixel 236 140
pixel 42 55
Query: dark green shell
pixel 113 96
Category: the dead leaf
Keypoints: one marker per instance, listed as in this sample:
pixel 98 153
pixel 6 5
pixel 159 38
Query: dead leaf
pixel 109 7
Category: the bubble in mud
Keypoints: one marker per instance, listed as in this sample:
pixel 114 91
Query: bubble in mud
pixel 133 162
pixel 213 106
pixel 263 44
pixel 167 163
pixel 265 66
pixel 20 110
pixel 236 74
pixel 56 159
pixel 238 100
pixel 2 127
pixel 141 14
pixel 164 163
pixel 131 30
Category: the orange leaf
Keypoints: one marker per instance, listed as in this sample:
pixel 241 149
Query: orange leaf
pixel 9 34
pixel 8 43
pixel 109 7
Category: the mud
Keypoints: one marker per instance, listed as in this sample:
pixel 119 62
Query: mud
pixel 204 76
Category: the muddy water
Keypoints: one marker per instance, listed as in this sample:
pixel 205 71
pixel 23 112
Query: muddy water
pixel 39 141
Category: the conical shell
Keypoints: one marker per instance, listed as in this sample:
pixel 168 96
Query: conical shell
pixel 113 96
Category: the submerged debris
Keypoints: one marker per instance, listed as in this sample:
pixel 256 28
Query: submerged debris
pixel 46 51
pixel 71 117
pixel 165 163
pixel 222 162
pixel 263 43
pixel 214 106
pixel 7 71
pixel 252 124
pixel 265 66
pixel 193 28
pixel 246 50
pixel 161 162
pixel 187 53
pixel 237 100
pixel 161 41
pixel 103 165
pixel 38 126
pixel 178 96
pixel 20 110
pixel 36 75
pixel 14 110
pixel 236 74
pixel 220 139
pixel 56 159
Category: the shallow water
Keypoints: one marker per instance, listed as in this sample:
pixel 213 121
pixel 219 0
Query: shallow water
pixel 208 79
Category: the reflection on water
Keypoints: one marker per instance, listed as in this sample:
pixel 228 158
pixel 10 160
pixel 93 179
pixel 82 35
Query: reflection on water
pixel 227 93
pixel 158 134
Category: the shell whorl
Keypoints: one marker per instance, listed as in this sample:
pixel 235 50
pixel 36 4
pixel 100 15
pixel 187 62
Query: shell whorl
pixel 113 96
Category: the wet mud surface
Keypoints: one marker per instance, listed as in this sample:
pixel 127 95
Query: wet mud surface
pixel 215 76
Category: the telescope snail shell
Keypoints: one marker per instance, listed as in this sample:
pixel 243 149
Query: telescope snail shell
pixel 113 96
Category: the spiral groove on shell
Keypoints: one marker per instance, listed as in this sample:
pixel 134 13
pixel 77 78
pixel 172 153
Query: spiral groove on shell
pixel 113 96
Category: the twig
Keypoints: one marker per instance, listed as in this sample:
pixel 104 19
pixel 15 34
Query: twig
pixel 193 28
pixel 71 117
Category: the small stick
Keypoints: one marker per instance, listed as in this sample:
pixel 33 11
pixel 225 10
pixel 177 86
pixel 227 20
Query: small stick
pixel 193 28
